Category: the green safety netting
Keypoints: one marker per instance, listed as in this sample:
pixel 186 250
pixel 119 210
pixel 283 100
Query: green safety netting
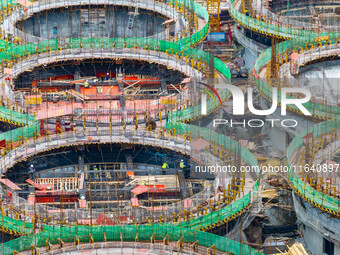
pixel 302 38
pixel 265 27
pixel 7 3
pixel 218 216
pixel 17 226
pixel 219 139
pixel 127 233
pixel 227 212
pixel 152 44
pixel 15 51
pixel 317 109
pixel 26 131
pixel 201 12
pixel 325 201
pixel 195 111
pixel 17 118
pixel 233 209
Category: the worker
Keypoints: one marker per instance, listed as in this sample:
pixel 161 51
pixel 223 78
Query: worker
pixel 181 164
pixel 164 166
pixel 31 171
pixel 86 84
pixel 58 127
pixel 55 32
pixel 143 182
pixel 95 171
pixel 73 126
pixel 17 40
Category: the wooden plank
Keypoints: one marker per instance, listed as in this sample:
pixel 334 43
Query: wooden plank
pixel 135 202
pixel 140 190
pixel 10 184
pixel 35 185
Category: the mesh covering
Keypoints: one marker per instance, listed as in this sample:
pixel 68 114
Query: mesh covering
pixel 188 229
pixel 30 125
pixel 126 233
pixel 320 199
pixel 322 110
pixel 268 28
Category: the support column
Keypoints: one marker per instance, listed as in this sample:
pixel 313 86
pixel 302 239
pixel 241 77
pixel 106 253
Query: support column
pixel 77 86
pixel 121 98
pixel 81 164
pixel 163 85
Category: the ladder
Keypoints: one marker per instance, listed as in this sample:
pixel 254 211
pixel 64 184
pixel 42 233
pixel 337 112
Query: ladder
pixel 132 14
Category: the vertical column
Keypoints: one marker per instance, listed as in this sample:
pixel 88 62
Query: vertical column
pixel 81 164
pixel 163 85
pixel 113 22
pixel 122 98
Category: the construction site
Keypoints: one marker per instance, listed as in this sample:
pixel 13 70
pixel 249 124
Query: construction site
pixel 170 127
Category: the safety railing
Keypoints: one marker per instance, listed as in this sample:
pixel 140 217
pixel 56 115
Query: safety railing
pixel 321 200
pixel 271 28
pixel 127 233
pixel 318 110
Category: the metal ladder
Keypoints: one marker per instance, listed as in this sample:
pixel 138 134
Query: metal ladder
pixel 132 14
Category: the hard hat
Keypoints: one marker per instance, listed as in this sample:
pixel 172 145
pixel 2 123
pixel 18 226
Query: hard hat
pixel 182 160
pixel 31 165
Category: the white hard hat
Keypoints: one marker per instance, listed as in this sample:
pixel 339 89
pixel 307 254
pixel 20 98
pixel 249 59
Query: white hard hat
pixel 31 165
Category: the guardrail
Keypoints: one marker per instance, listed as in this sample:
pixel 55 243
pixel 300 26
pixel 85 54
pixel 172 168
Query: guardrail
pixel 18 52
pixel 317 198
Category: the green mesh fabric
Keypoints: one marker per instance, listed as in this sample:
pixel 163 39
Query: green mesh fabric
pixel 30 125
pixel 17 226
pixel 265 27
pixel 325 201
pixel 188 230
pixel 13 116
pixel 324 111
pixel 301 38
pixel 127 233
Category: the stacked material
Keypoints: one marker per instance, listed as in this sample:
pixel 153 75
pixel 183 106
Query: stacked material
pixel 269 193
pixel 295 249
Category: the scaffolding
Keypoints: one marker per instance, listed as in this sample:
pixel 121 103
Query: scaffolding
pixel 213 8
pixel 315 190
pixel 95 125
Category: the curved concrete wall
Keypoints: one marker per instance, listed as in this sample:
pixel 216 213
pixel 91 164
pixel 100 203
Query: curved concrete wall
pixel 9 22
pixel 122 53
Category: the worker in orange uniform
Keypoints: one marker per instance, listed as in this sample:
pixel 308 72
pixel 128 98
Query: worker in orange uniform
pixel 58 127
